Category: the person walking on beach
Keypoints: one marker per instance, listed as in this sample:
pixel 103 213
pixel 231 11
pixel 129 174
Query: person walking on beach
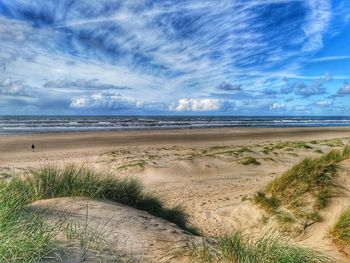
pixel 33 147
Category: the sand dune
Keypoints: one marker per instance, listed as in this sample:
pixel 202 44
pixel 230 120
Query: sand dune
pixel 130 232
pixel 205 171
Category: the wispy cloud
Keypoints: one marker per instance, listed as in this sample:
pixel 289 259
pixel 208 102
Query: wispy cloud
pixel 330 58
pixel 319 16
pixel 166 53
pixel 82 84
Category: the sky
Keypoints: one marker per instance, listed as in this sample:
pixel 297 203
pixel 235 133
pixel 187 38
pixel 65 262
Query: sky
pixel 179 57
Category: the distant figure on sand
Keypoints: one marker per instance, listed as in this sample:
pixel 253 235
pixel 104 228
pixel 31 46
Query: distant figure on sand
pixel 33 147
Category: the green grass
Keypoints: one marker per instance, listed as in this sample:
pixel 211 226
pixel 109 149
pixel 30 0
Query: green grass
pixel 332 143
pixel 267 203
pixel 249 160
pixel 346 151
pixel 133 164
pixel 316 176
pixel 288 146
pixel 228 151
pixel 305 188
pixel 310 175
pixel 340 232
pixel 244 150
pixel 285 217
pixel 70 181
pixel 24 235
pixel 322 198
pixel 240 248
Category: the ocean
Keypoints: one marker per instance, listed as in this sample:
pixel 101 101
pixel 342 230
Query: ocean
pixel 46 124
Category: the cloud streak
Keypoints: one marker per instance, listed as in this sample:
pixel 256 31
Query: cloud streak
pixel 196 55
pixel 83 84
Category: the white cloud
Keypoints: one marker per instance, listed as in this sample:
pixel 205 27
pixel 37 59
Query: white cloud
pixel 105 101
pixel 197 105
pixel 79 103
pixel 278 106
pixel 330 58
pixel 324 103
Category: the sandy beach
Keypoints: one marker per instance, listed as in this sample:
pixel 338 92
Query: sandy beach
pixel 204 170
pixel 16 145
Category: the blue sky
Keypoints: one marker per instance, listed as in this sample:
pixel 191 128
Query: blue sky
pixel 159 57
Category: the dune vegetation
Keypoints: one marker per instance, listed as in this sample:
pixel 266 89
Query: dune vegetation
pixel 241 248
pixel 340 232
pixel 294 198
pixel 301 192
pixel 24 235
pixel 249 160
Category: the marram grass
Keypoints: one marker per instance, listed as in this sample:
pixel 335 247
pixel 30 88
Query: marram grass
pixel 73 181
pixel 311 176
pixel 340 232
pixel 240 248
pixel 303 190
pixel 24 235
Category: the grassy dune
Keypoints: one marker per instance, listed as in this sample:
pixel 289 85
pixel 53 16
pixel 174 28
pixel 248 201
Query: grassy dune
pixel 295 196
pixel 24 235
pixel 299 193
pixel 70 181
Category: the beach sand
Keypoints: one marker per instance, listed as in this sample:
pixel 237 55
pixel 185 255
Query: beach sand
pixel 207 171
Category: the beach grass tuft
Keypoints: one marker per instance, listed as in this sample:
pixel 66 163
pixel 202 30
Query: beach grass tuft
pixel 340 232
pixel 316 176
pixel 24 235
pixel 270 204
pixel 305 188
pixel 80 181
pixel 240 248
pixel 288 146
pixel 346 151
pixel 249 160
pixel 310 175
